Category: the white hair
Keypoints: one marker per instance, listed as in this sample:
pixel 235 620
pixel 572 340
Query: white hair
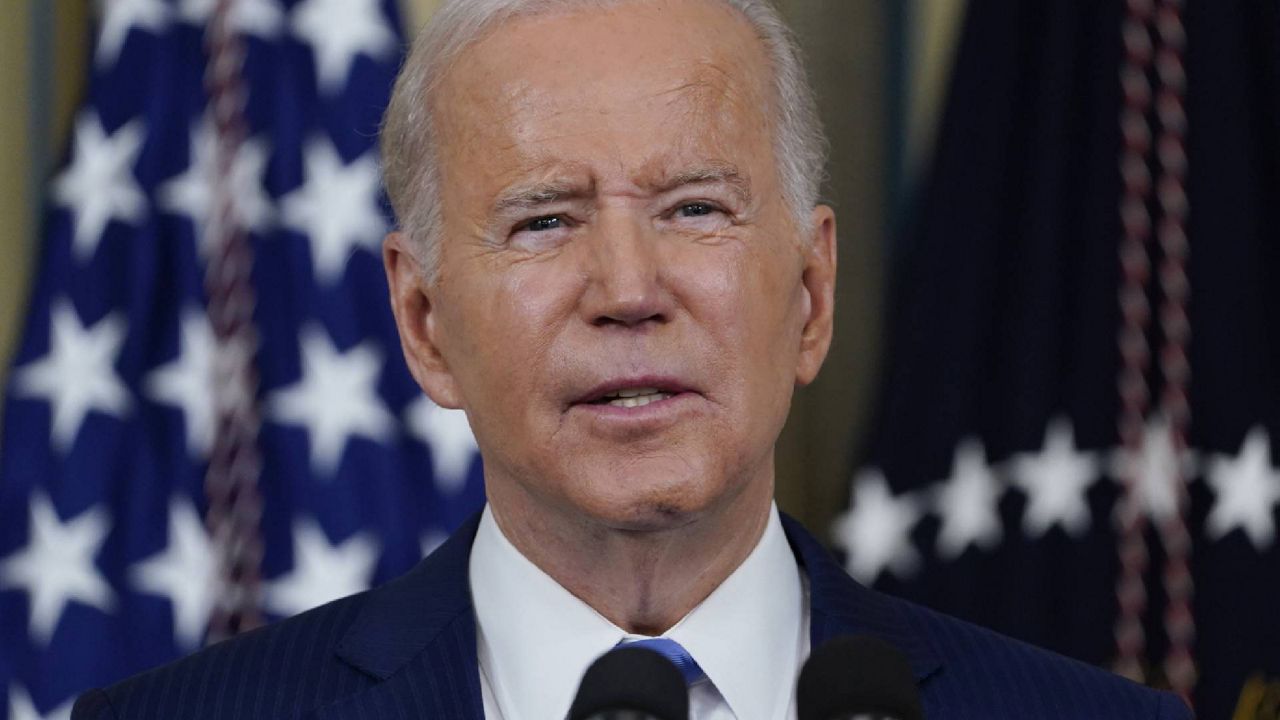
pixel 410 163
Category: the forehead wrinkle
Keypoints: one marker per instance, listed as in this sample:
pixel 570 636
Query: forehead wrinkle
pixel 706 78
pixel 716 98
pixel 714 84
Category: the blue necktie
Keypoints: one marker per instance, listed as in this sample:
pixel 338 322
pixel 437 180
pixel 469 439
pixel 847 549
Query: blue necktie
pixel 673 651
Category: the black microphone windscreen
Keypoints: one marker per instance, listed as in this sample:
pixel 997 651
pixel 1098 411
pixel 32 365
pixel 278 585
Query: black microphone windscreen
pixel 632 679
pixel 857 675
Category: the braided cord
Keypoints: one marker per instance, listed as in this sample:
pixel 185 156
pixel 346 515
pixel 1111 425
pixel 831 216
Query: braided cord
pixel 231 483
pixel 1135 317
pixel 1171 235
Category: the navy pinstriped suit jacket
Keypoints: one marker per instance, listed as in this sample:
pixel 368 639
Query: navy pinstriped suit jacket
pixel 408 650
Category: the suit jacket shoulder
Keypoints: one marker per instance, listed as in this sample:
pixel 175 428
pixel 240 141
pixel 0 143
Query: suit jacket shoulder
pixel 342 659
pixel 985 675
pixel 966 672
pixel 275 671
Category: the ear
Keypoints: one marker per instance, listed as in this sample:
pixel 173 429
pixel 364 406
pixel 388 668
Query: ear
pixel 819 281
pixel 417 321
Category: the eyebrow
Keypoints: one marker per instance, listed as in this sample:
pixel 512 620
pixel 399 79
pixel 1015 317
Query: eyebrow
pixel 715 173
pixel 539 194
pixel 526 197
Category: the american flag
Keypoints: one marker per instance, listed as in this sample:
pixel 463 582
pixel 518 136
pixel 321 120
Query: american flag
pixel 1078 439
pixel 208 422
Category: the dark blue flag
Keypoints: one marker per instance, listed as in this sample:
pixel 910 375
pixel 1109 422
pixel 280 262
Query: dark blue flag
pixel 1077 435
pixel 213 176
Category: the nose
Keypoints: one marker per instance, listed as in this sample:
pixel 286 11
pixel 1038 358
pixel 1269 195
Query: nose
pixel 625 276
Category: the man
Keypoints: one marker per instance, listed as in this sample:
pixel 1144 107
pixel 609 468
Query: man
pixel 612 257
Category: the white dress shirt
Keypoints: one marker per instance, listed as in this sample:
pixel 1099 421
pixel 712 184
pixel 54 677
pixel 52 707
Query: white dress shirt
pixel 536 639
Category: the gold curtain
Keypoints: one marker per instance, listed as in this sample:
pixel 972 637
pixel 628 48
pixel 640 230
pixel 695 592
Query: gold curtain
pixel 43 52
pixel 849 45
pixel 845 45
pixel 16 203
pixel 417 12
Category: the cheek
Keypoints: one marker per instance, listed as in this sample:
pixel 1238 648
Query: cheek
pixel 747 301
pixel 749 309
pixel 503 338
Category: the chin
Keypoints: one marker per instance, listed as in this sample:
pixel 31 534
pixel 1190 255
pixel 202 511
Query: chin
pixel 649 495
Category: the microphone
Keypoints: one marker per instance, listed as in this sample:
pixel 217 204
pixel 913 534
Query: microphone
pixel 631 683
pixel 857 677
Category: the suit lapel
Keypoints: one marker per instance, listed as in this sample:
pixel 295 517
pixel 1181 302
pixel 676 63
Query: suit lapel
pixel 840 606
pixel 417 636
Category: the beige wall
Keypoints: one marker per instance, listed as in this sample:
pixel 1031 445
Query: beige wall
pixel 16 204
pixel 42 60
pixel 417 11
pixel 933 34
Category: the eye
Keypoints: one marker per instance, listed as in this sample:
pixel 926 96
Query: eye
pixel 542 224
pixel 696 209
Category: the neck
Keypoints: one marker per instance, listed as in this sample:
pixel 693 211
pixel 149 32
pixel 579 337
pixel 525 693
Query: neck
pixel 643 581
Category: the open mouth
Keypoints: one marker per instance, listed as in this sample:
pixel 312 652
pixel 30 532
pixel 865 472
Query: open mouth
pixel 632 397
pixel 635 392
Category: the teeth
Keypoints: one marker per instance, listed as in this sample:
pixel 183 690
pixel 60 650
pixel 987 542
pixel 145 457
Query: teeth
pixel 632 392
pixel 638 398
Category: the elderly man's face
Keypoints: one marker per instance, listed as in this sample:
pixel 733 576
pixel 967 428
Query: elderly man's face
pixel 624 303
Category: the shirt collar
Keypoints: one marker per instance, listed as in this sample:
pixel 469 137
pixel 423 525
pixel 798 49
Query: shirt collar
pixel 535 638
pixel 749 631
pixel 745 635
